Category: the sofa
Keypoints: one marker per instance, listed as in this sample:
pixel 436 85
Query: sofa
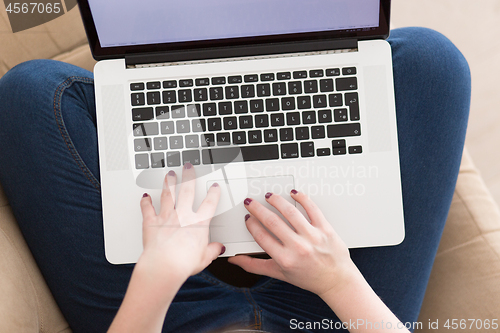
pixel 465 280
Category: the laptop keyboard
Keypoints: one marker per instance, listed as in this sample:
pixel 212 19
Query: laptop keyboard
pixel 264 116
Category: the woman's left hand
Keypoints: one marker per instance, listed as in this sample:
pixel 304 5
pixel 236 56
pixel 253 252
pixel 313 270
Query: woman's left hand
pixel 176 240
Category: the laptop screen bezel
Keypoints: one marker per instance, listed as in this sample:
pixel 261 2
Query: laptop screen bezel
pixel 100 53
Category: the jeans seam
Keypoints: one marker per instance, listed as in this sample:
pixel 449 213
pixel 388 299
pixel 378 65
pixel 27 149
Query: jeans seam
pixel 64 133
pixel 256 311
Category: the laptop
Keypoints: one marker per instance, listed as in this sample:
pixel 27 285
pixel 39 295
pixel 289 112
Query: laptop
pixel 260 96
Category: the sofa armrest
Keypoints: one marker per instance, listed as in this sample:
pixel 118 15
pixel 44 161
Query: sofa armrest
pixel 464 282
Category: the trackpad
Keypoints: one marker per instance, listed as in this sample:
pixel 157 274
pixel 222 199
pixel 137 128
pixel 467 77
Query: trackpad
pixel 228 225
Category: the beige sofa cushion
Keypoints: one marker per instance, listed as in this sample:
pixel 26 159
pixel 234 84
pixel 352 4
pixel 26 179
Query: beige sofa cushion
pixel 26 305
pixel 465 278
pixel 62 39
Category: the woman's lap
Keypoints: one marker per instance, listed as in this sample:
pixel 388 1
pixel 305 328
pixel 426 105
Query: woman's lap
pixel 49 170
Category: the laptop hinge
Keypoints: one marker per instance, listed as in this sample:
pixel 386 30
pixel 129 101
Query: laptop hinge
pixel 133 61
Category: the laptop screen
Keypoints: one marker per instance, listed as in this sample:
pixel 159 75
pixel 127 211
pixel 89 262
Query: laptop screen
pixel 134 22
pixel 117 28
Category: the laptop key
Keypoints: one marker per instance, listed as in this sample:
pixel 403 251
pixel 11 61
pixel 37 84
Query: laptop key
pixel 336 131
pixel 154 98
pixel 267 77
pixel 183 126
pixel 176 142
pixel 326 85
pixel 216 94
pixel 261 120
pixel 235 79
pixel 264 90
pixel 145 129
pixel 191 156
pixel 289 150
pixel 323 152
pixel 153 85
pixel 304 102
pixel 157 160
pixel 239 138
pixel 319 101
pixel 143 144
pixel 288 103
pixel 279 88
pixel 286 134
pixel 300 74
pixel 271 135
pixel 310 86
pixel 225 108
pixel 209 109
pixel 307 149
pixel 198 125
pixel 223 139
pixel 218 80
pixel 351 100
pixel 162 112
pixel 137 99
pixel 284 76
pixel 318 132
pixel 339 151
pixel 137 86
pixel 214 124
pixel 293 118
pixel 254 137
pixel 186 83
pixel 302 133
pixel 192 141
pixel 325 116
pixel 248 153
pixel 160 143
pixel 232 92
pixel 173 159
pixel 201 95
pixel 295 87
pixel 207 140
pixel 251 78
pixel 230 123
pixel 185 96
pixel 202 82
pixel 272 104
pixel 340 115
pixel 193 110
pixel 169 84
pixel 333 72
pixel 142 161
pixel 246 122
pixel 167 127
pixel 240 107
pixel 316 73
pixel 169 97
pixel 349 83
pixel 349 71
pixel 277 119
pixel 338 143
pixel 247 91
pixel 355 150
pixel 256 105
pixel 141 114
pixel 335 100
pixel 308 117
pixel 178 111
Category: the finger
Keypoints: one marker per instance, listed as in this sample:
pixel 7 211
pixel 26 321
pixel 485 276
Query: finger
pixel 290 212
pixel 168 194
pixel 207 208
pixel 265 240
pixel 315 215
pixel 271 221
pixel 267 267
pixel 212 252
pixel 147 209
pixel 186 193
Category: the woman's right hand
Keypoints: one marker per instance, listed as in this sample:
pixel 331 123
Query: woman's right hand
pixel 312 257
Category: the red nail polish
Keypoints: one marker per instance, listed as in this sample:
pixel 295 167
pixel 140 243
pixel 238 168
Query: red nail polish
pixel 294 192
pixel 268 195
pixel 223 250
pixel 188 165
pixel 247 201
pixel 145 195
pixel 215 185
pixel 247 217
pixel 171 173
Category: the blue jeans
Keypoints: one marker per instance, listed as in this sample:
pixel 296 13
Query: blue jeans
pixel 50 172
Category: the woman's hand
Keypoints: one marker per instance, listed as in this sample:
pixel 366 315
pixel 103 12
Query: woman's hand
pixel 312 257
pixel 172 249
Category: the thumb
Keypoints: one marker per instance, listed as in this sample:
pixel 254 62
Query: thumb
pixel 213 251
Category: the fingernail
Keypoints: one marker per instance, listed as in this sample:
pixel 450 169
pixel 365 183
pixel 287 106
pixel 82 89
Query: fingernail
pixel 171 173
pixel 268 195
pixel 247 217
pixel 247 201
pixel 294 192
pixel 215 185
pixel 223 250
pixel 145 195
pixel 188 165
